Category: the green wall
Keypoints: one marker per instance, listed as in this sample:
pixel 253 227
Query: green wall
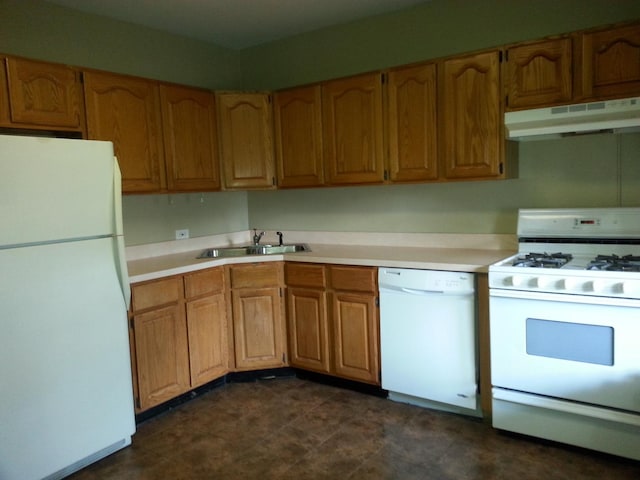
pixel 592 171
pixel 434 29
pixel 41 30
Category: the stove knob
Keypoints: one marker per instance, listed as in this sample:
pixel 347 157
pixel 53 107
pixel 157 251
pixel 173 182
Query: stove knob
pixel 599 286
pixel 545 283
pixel 571 284
pixel 517 280
pixel 631 288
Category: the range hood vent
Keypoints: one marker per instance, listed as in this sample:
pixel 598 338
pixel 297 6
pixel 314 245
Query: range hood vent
pixel 609 116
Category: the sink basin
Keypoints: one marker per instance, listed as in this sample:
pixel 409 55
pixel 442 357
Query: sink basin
pixel 253 250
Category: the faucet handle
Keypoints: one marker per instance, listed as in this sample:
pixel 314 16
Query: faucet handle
pixel 279 237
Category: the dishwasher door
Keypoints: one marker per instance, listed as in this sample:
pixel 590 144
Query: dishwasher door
pixel 428 335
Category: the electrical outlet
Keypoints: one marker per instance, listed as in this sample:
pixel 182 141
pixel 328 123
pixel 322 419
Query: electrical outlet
pixel 182 234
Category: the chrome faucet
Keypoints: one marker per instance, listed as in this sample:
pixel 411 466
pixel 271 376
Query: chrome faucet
pixel 257 236
pixel 279 238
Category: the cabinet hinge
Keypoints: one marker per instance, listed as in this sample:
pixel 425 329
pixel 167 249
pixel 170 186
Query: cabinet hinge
pixel 501 168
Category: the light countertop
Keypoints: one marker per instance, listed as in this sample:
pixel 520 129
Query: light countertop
pixel 475 260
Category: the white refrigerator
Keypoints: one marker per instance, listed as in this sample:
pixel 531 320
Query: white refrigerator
pixel 65 374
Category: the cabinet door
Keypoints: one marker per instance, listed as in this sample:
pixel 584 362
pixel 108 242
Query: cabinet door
pixel 472 118
pixel 208 340
pixel 257 328
pixel 611 62
pixel 190 145
pixel 308 329
pixel 355 336
pixel 44 94
pixel 126 111
pixel 411 120
pixel 161 353
pixel 298 134
pixel 539 74
pixel 246 137
pixel 353 130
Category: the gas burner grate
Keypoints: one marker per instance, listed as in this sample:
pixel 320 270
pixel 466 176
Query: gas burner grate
pixel 615 263
pixel 542 260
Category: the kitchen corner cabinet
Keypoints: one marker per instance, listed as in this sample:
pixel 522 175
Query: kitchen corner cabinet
pixel 179 335
pixel 258 327
pixel 298 137
pixel 539 74
pixel 190 139
pixel 472 133
pixel 246 140
pixel 126 111
pixel 355 323
pixel 611 62
pixel 411 124
pixel 308 322
pixel 40 95
pixel 352 123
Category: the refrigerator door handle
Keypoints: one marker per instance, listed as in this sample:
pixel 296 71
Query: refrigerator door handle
pixel 121 259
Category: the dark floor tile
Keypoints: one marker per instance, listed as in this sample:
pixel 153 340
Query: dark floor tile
pixel 289 428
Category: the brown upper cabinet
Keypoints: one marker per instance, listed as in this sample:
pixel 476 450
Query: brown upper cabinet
pixel 126 111
pixel 353 130
pixel 411 123
pixel 611 62
pixel 584 66
pixel 472 132
pixel 190 139
pixel 246 140
pixel 40 95
pixel 298 137
pixel 539 74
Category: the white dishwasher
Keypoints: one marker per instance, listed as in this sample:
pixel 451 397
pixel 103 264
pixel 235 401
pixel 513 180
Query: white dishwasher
pixel 428 338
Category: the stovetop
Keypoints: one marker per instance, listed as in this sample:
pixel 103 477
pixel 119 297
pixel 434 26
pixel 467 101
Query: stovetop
pixel 593 252
pixel 601 262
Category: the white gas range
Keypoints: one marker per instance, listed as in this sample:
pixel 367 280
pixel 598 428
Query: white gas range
pixel 565 329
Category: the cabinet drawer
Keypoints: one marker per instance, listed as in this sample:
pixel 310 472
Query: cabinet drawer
pixel 156 293
pixel 256 275
pixel 204 282
pixel 356 279
pixel 305 275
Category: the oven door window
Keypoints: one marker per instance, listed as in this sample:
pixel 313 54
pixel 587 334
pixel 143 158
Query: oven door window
pixel 570 341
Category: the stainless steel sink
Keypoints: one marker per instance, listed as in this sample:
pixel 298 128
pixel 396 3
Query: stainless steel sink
pixel 254 250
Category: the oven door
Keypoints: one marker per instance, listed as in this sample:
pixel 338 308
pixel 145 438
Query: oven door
pixel 572 347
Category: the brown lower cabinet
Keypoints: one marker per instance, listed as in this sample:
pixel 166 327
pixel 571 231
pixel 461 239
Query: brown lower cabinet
pixel 258 315
pixel 179 335
pixel 333 320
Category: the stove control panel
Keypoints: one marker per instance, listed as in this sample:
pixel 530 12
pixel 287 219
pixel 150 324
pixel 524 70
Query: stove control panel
pixel 587 284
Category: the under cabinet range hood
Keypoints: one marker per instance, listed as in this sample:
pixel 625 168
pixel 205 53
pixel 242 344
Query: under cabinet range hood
pixel 613 116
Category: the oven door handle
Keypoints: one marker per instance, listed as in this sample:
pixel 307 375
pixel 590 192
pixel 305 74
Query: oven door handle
pixel 566 407
pixel 564 297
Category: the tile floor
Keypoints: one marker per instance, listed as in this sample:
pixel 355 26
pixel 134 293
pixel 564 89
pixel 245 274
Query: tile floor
pixel 288 428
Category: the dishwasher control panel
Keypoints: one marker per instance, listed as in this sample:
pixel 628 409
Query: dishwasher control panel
pixel 425 280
